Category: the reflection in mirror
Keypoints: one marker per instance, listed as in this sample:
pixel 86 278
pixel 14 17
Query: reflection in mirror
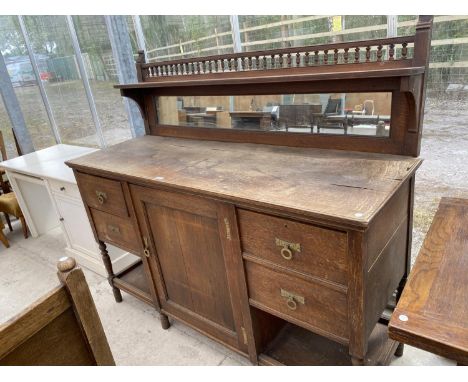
pixel 345 114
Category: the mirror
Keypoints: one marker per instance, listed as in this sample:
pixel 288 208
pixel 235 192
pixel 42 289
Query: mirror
pixel 345 114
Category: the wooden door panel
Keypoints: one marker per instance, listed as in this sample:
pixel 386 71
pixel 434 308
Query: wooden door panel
pixel 192 264
pixel 166 238
pixel 187 253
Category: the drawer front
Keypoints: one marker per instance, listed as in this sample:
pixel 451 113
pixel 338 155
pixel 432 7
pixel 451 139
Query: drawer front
pixel 115 230
pixel 302 247
pixel 314 306
pixel 102 194
pixel 64 188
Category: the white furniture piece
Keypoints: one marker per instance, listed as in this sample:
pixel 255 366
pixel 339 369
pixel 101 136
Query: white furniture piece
pixel 48 196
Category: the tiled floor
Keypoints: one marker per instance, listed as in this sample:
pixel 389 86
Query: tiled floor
pixel 27 271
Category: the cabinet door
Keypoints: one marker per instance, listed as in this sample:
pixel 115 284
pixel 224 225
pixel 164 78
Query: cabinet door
pixel 76 224
pixel 186 237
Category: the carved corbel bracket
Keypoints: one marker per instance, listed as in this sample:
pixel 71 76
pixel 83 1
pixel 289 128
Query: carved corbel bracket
pixel 414 86
pixel 138 97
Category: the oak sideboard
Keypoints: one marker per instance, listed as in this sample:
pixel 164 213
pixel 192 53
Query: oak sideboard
pixel 286 243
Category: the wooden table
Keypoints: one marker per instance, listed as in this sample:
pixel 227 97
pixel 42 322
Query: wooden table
pixel 49 197
pixel 251 119
pixel 432 313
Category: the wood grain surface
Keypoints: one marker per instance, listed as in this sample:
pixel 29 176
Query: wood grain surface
pixel 435 298
pixel 342 186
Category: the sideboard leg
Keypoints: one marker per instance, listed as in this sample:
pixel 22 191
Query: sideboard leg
pixel 401 346
pixel 110 272
pixel 165 324
pixel 357 361
pixel 399 350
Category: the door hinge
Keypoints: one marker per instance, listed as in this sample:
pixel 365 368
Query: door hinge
pixel 244 335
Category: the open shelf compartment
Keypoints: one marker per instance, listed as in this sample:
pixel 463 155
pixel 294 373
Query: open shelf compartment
pixel 133 281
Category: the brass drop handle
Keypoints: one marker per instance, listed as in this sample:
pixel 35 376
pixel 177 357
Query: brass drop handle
pixel 291 303
pixel 287 248
pixel 292 299
pixel 101 197
pixel 146 250
pixel 286 253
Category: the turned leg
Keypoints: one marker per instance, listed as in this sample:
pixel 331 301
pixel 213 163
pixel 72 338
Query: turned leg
pixel 7 218
pixel 110 272
pixel 24 226
pixel 357 361
pixel 165 324
pixel 3 239
pixel 399 349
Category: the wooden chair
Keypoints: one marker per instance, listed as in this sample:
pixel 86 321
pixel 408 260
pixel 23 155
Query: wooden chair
pixel 333 108
pixel 8 203
pixel 61 329
pixel 4 184
pixel 3 238
pixel 9 206
pixel 298 116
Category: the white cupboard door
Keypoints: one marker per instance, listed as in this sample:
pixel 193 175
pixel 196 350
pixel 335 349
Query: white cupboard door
pixel 76 224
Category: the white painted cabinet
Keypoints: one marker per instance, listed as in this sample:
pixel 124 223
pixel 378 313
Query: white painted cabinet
pixel 48 196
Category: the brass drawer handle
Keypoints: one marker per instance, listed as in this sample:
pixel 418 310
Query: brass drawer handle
pixel 146 250
pixel 101 197
pixel 113 228
pixel 292 299
pixel 287 248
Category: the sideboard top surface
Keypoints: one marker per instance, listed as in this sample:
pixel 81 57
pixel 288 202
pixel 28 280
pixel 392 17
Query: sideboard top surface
pixel 341 186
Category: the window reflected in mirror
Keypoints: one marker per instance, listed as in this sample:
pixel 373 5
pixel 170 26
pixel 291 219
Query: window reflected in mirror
pixel 345 114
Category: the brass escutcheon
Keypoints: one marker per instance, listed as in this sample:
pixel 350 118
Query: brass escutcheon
pixel 113 228
pixel 146 251
pixel 101 197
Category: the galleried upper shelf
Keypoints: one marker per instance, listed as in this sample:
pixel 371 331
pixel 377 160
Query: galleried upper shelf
pixel 220 97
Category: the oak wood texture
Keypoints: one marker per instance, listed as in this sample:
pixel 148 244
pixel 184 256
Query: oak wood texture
pixel 322 251
pixel 61 328
pixel 320 303
pixel 332 185
pixel 330 68
pixel 168 186
pixel 115 230
pixel 213 209
pixel 295 346
pixel 134 281
pixel 112 201
pixel 434 300
pixel 187 255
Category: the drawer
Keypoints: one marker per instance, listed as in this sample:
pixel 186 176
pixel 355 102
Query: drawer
pixel 102 194
pixel 115 230
pixel 302 247
pixel 64 188
pixel 314 306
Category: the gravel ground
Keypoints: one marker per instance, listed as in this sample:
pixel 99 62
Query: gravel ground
pixel 444 171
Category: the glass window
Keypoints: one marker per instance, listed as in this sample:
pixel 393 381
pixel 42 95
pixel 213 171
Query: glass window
pixel 173 37
pixel 24 82
pixel 102 74
pixel 59 72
